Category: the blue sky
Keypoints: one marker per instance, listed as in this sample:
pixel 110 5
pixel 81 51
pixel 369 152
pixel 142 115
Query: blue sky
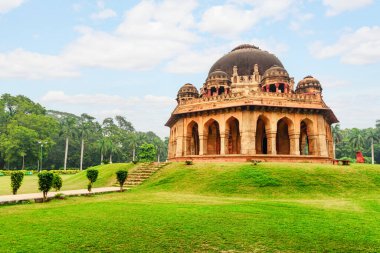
pixel 130 57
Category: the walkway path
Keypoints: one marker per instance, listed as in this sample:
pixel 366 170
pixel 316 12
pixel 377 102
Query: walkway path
pixel 37 197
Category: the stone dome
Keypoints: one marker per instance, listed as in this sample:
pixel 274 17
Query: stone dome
pixel 218 74
pixel 245 57
pixel 276 71
pixel 187 91
pixel 308 85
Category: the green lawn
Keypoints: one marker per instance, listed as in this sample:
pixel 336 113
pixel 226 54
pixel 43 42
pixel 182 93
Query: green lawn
pixel 106 177
pixel 211 208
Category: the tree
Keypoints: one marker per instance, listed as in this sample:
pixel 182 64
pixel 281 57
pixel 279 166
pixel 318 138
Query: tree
pixel 16 181
pixel 147 153
pixel 124 124
pixel 337 136
pixel 67 131
pixel 45 182
pixel 102 146
pixel 57 182
pixel 378 123
pixel 121 176
pixel 84 129
pixel 357 139
pixel 92 175
pixel 372 137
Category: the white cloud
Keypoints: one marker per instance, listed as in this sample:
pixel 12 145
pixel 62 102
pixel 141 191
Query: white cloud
pixel 150 33
pixel 234 17
pixel 147 113
pixel 8 5
pixel 335 7
pixel 358 47
pixel 104 14
pixel 23 64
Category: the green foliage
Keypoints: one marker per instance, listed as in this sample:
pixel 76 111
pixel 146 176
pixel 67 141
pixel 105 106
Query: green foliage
pixel 24 123
pixel 348 141
pixel 189 162
pixel 147 153
pixel 57 182
pixel 92 175
pixel 121 176
pixel 16 181
pixel 45 182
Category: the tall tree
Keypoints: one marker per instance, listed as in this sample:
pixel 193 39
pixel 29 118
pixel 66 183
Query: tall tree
pixel 357 139
pixel 84 129
pixel 337 136
pixel 67 131
pixel 372 137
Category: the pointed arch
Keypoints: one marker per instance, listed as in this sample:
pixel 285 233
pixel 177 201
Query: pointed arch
pixel 192 138
pixel 284 129
pixel 211 133
pixel 262 130
pixel 233 139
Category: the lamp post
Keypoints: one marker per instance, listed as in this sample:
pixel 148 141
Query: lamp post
pixel 41 145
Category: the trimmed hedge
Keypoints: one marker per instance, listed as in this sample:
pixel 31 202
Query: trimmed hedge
pixel 26 172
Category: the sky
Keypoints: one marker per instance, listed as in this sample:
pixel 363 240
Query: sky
pixel 129 58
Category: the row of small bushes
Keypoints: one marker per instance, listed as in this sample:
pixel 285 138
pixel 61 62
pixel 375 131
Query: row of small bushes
pixel 31 172
pixel 49 179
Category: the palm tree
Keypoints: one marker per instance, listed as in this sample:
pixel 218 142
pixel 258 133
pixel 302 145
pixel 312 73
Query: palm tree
pixel 357 139
pixel 23 154
pixel 67 130
pixel 378 123
pixel 102 146
pixel 337 136
pixel 84 130
pixel 373 137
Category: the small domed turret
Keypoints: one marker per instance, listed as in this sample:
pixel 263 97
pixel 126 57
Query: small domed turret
pixel 186 92
pixel 276 79
pixel 309 85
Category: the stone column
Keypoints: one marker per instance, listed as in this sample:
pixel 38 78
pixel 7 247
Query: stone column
pixel 295 144
pixel 271 137
pixel 179 151
pixel 222 143
pixel 277 84
pixel 267 86
pixel 202 144
pixel 248 142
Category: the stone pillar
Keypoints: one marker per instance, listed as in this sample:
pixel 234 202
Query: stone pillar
pixel 179 151
pixel 248 142
pixel 295 144
pixel 267 87
pixel 277 84
pixel 271 137
pixel 223 143
pixel 209 92
pixel 286 86
pixel 202 144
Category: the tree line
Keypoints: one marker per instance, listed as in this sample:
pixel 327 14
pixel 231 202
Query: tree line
pixel 32 137
pixel 350 140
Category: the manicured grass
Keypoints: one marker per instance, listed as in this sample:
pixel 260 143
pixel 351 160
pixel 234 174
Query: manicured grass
pixel 106 177
pixel 211 208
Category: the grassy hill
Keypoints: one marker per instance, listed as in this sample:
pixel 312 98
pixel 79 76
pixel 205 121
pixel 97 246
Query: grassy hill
pixel 268 180
pixel 70 182
pixel 212 207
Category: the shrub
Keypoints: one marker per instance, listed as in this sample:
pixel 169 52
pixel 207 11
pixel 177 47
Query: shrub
pixel 255 162
pixel 16 181
pixel 92 175
pixel 121 176
pixel 134 162
pixel 189 162
pixel 45 182
pixel 57 182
